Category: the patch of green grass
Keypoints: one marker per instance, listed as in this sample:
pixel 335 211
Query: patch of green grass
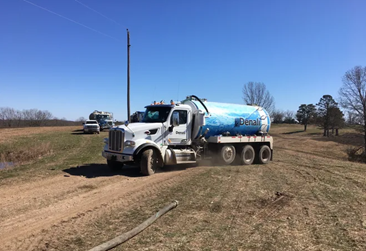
pixel 47 153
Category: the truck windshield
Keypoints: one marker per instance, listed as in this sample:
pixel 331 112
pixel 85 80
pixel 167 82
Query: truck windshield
pixel 156 114
pixel 106 117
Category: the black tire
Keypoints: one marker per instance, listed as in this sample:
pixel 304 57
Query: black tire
pixel 114 165
pixel 227 154
pixel 264 155
pixel 247 155
pixel 148 162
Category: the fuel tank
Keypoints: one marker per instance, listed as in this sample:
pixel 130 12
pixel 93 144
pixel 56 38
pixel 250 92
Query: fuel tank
pixel 230 119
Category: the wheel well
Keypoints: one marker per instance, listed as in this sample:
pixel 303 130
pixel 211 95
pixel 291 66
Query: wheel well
pixel 142 148
pixel 238 146
pixel 256 146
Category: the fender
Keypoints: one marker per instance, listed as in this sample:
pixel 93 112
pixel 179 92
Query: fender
pixel 142 147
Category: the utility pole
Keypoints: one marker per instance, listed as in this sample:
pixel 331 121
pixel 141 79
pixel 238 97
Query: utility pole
pixel 128 76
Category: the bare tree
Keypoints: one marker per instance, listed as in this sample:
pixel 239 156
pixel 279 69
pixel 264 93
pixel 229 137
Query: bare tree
pixel 289 117
pixel 353 118
pixel 277 116
pixel 18 117
pixel 42 116
pixel 353 94
pixel 256 93
pixel 8 116
pixel 81 119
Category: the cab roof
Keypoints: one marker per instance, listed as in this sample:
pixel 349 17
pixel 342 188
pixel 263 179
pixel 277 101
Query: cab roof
pixel 163 105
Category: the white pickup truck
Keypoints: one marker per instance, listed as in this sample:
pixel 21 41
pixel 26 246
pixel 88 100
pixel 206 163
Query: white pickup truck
pixel 91 126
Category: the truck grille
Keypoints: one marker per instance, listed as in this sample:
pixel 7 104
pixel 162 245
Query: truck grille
pixel 115 142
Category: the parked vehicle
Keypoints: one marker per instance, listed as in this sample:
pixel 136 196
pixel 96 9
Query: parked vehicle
pixel 137 116
pixel 191 131
pixel 105 119
pixel 91 126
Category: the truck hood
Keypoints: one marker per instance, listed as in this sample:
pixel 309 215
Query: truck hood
pixel 139 129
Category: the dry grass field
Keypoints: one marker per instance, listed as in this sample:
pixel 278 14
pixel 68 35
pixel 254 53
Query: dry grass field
pixel 60 195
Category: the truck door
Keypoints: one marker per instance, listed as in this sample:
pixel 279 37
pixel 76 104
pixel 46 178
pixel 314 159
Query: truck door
pixel 178 135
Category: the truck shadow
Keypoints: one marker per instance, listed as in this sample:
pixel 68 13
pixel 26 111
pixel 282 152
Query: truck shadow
pixel 102 170
pixel 78 132
pixel 294 132
pixel 173 168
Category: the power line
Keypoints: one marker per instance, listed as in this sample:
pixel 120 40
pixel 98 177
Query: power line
pixel 90 8
pixel 83 25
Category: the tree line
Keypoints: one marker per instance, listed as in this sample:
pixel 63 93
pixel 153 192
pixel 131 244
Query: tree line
pixel 326 113
pixel 10 117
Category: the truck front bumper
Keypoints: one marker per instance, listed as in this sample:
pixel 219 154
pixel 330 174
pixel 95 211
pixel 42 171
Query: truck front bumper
pixel 120 157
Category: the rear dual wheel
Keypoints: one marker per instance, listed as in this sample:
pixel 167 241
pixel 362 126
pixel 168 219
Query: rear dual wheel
pixel 227 154
pixel 247 156
pixel 264 155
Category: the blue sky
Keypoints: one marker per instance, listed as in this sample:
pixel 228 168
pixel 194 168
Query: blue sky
pixel 299 49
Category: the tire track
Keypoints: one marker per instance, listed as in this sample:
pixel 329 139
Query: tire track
pixel 21 232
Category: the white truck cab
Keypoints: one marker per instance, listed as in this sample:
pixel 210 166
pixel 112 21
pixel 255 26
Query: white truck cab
pixel 163 125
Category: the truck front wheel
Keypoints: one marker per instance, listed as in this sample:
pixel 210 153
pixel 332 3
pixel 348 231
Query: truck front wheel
pixel 247 155
pixel 114 165
pixel 148 162
pixel 227 154
pixel 264 155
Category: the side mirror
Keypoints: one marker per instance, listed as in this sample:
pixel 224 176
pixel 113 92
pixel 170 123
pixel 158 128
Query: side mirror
pixel 83 123
pixel 175 119
pixel 126 123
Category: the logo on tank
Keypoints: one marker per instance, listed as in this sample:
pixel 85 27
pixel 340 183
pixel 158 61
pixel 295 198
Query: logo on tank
pixel 247 122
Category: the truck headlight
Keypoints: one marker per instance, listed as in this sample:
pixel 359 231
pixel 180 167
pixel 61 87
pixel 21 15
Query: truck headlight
pixel 129 143
pixel 105 140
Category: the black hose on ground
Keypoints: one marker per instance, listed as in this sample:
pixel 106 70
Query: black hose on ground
pixel 126 236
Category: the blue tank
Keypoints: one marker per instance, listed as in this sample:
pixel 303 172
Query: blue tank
pixel 233 118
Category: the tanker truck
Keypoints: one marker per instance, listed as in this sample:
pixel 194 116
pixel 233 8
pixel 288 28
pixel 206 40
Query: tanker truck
pixel 104 119
pixel 191 131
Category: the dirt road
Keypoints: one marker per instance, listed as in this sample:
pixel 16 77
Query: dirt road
pixel 33 213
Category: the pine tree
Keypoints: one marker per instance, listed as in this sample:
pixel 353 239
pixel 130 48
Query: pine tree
pixel 323 112
pixel 305 113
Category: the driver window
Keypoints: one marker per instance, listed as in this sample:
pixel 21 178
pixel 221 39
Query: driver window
pixel 182 117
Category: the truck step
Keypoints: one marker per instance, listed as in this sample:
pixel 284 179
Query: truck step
pixel 186 162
